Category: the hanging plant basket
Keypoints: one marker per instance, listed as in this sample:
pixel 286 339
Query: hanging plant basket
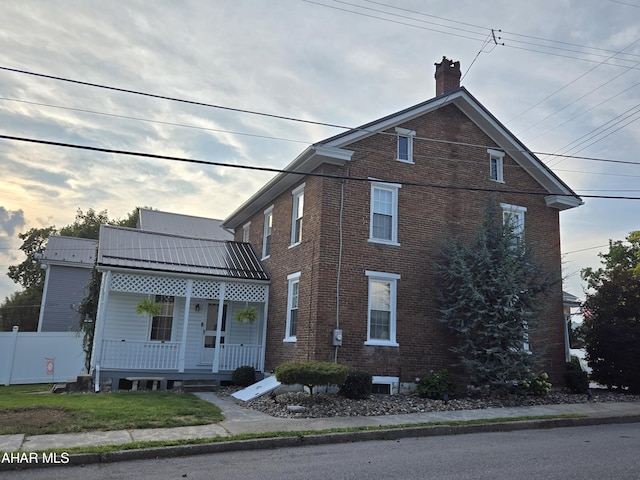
pixel 149 307
pixel 246 315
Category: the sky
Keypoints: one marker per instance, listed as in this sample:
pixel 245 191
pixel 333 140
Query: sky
pixel 562 75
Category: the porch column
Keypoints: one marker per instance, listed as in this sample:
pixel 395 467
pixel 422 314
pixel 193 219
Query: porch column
pixel 98 333
pixel 216 351
pixel 185 326
pixel 264 327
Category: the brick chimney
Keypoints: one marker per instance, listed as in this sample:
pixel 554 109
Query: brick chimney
pixel 447 76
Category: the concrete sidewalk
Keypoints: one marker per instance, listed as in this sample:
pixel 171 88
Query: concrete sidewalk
pixel 239 420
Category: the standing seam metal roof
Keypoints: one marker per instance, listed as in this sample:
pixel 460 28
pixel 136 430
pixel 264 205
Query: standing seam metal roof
pixel 139 249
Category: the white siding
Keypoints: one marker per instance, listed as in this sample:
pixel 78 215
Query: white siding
pixel 243 333
pixel 122 321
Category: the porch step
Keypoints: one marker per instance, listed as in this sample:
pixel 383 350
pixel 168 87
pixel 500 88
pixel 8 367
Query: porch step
pixel 206 385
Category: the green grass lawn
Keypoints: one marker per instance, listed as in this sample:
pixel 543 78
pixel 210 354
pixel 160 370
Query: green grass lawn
pixel 32 409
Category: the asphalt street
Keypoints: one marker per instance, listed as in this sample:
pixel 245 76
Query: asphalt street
pixel 595 452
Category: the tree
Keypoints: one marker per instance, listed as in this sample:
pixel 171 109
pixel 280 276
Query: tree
pixel 28 273
pixel 22 308
pixel 489 293
pixel 611 311
pixel 89 314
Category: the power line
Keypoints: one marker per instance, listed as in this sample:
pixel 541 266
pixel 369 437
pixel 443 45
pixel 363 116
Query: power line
pixel 504 44
pixel 160 122
pixel 293 172
pixel 293 119
pixel 503 32
pixel 173 99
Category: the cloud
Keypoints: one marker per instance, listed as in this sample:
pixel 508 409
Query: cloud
pixel 10 221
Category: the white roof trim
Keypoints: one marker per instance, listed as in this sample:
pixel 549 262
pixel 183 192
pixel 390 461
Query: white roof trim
pixel 332 151
pixel 306 162
pixel 562 202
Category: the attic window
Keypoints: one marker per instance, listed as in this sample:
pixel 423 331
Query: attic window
pixel 405 145
pixel 496 165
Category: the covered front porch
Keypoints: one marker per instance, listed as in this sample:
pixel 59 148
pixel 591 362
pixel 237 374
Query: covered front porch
pixel 198 333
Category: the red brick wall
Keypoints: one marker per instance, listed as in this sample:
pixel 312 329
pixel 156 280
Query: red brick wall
pixel 428 217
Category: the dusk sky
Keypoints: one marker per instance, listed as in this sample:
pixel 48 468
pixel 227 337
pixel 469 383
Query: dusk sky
pixel 562 75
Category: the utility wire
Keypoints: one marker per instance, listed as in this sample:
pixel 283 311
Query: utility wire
pixel 160 122
pixel 293 172
pixel 293 119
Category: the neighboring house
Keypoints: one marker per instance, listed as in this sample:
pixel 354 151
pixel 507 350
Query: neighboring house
pixel 201 283
pixel 68 262
pixel 569 302
pixel 351 258
pixel 178 224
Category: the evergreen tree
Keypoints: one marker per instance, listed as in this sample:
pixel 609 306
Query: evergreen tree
pixel 489 294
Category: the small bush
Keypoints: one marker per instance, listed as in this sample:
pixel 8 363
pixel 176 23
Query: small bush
pixel 435 385
pixel 357 386
pixel 311 374
pixel 576 379
pixel 244 376
pixel 538 386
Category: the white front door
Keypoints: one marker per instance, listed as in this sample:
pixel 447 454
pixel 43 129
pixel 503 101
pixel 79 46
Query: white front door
pixel 209 332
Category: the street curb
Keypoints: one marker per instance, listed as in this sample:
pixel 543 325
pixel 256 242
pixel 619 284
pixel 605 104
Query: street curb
pixel 322 439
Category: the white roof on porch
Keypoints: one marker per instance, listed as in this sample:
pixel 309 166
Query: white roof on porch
pixel 142 250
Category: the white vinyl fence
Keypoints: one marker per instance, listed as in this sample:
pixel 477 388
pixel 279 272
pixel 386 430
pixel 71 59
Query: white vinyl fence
pixel 39 357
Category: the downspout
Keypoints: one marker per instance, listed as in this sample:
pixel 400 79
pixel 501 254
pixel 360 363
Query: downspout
pixel 339 265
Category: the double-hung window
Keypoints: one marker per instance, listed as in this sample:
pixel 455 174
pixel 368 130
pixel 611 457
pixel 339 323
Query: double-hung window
pixel 292 307
pixel 513 216
pixel 266 236
pixel 162 324
pixel 381 317
pixel 384 213
pixel 296 219
pixel 245 231
pixel 496 165
pixel 405 145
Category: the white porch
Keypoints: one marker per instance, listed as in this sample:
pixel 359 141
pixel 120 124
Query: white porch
pixel 139 355
pixel 202 337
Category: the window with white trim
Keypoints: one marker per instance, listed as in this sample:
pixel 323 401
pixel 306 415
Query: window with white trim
pixel 514 216
pixel 266 236
pixel 296 218
pixel 245 232
pixel 292 307
pixel 162 324
pixel 384 213
pixel 381 316
pixel 496 165
pixel 405 145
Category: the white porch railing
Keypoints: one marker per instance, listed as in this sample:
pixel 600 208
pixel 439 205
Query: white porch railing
pixel 234 356
pixel 133 355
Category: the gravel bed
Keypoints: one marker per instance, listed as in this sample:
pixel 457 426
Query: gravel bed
pixel 322 405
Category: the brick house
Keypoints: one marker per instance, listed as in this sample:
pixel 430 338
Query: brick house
pixel 350 239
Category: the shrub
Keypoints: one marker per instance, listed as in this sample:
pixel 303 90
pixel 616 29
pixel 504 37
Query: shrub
pixel 357 386
pixel 244 376
pixel 311 374
pixel 538 386
pixel 435 385
pixel 575 378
